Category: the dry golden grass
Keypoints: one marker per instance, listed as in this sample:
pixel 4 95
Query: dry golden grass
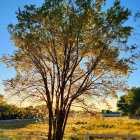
pixel 81 125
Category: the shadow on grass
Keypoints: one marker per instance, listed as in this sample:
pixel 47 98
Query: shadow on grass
pixel 16 124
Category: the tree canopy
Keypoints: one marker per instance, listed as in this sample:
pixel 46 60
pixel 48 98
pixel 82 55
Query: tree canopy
pixel 129 104
pixel 69 52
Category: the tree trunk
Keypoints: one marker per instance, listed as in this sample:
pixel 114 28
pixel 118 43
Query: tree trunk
pixel 58 134
pixel 50 123
pixel 58 127
pixel 57 123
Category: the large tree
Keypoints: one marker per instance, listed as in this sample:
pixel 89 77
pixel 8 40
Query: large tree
pixel 129 104
pixel 69 52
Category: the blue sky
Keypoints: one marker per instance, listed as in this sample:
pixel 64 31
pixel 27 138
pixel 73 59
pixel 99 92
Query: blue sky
pixel 7 16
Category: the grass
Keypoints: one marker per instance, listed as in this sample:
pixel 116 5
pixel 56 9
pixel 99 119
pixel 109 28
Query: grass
pixel 93 125
pixel 78 126
pixel 16 124
pixel 103 126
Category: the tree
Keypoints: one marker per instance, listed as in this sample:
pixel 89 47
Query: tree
pixel 9 111
pixel 123 106
pixel 129 104
pixel 69 52
pixel 106 111
pixel 2 101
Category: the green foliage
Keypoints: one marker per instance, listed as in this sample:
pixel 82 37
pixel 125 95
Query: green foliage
pixel 106 111
pixel 9 111
pixel 129 104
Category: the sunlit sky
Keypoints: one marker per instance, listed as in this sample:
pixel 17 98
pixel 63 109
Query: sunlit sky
pixel 7 16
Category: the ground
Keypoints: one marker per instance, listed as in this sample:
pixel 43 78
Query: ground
pixel 78 126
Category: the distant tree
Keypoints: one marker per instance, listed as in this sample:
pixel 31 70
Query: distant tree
pixel 123 106
pixel 69 52
pixel 10 112
pixel 29 112
pixel 108 111
pixel 129 104
pixel 2 100
pixel 103 111
pixel 41 112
